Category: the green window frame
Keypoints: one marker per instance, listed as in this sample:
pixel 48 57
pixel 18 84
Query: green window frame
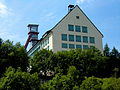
pixel 84 29
pixel 64 37
pixel 85 47
pixel 64 45
pixel 79 46
pixel 70 27
pixel 77 28
pixel 92 39
pixel 85 39
pixel 78 38
pixel 71 37
pixel 71 46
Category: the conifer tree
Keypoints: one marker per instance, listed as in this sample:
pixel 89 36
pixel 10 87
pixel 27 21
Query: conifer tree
pixel 106 50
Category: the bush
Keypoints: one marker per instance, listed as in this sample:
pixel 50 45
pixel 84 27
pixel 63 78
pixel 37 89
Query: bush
pixel 91 83
pixel 18 80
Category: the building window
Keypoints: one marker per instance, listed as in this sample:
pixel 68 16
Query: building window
pixel 84 29
pixel 71 46
pixel 77 29
pixel 85 47
pixel 78 38
pixel 85 39
pixel 77 17
pixel 64 45
pixel 71 37
pixel 48 40
pixel 64 37
pixel 70 27
pixel 92 40
pixel 79 46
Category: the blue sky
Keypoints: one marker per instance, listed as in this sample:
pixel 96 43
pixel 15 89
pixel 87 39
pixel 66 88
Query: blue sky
pixel 15 15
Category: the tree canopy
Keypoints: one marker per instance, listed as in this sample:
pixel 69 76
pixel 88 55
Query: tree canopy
pixel 18 80
pixel 12 55
pixel 75 69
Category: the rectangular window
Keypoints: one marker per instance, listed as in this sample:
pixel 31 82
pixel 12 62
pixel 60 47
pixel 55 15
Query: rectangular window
pixel 71 46
pixel 70 27
pixel 78 38
pixel 85 47
pixel 85 39
pixel 84 29
pixel 92 40
pixel 64 45
pixel 79 46
pixel 77 17
pixel 77 28
pixel 71 37
pixel 64 37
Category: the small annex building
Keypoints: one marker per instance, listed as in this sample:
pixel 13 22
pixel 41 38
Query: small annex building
pixel 75 30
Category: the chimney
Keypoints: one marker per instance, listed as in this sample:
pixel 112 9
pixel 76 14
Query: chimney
pixel 70 8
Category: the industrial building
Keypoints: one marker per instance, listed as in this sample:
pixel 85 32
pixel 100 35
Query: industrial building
pixel 74 30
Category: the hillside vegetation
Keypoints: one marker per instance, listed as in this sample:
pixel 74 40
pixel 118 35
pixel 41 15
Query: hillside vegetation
pixel 69 70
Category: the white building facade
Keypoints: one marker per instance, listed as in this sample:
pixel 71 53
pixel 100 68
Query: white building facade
pixel 75 30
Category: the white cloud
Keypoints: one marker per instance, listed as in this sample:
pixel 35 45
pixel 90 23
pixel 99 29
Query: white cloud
pixel 4 10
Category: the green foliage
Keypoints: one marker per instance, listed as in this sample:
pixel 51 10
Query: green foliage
pixel 1 41
pixel 41 61
pixel 91 83
pixel 63 82
pixel 12 55
pixel 114 53
pixel 69 67
pixel 111 84
pixel 106 50
pixel 18 80
pixel 89 62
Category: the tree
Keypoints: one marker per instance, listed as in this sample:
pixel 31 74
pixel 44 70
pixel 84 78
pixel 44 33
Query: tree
pixel 1 41
pixel 91 83
pixel 12 55
pixel 106 50
pixel 41 61
pixel 63 82
pixel 114 53
pixel 18 80
pixel 111 84
pixel 89 62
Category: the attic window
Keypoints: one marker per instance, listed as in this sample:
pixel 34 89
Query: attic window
pixel 77 17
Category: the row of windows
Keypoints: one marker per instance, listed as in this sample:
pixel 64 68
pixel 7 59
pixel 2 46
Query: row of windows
pixel 77 28
pixel 44 43
pixel 78 38
pixel 72 46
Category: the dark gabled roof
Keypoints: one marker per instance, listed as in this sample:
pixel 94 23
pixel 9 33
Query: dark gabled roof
pixel 46 33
